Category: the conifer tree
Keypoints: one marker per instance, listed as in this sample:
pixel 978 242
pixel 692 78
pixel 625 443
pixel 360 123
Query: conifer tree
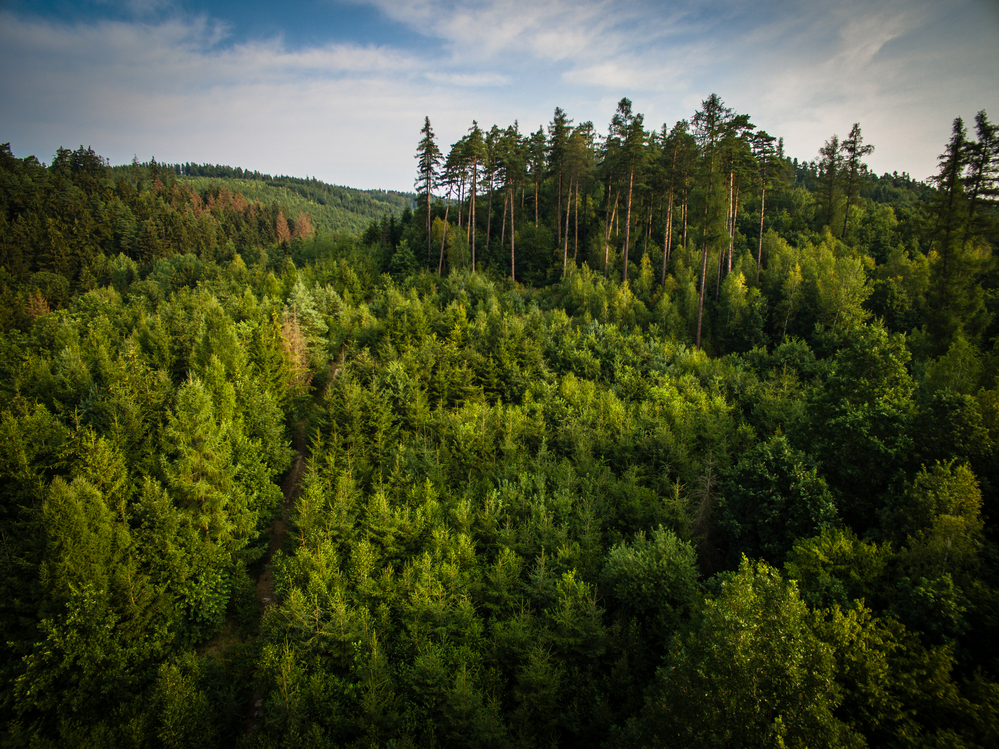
pixel 854 150
pixel 475 151
pixel 558 143
pixel 628 129
pixel 710 125
pixel 428 157
pixel 830 175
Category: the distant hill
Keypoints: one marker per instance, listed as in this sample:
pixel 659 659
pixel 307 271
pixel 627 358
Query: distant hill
pixel 332 208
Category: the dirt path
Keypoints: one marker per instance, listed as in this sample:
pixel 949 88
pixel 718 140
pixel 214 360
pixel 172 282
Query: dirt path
pixel 292 488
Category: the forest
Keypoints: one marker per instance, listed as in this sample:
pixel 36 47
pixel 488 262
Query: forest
pixel 626 439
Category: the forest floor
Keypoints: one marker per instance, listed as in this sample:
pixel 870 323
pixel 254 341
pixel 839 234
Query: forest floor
pixel 292 487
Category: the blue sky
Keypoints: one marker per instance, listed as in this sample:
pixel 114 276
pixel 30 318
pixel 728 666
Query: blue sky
pixel 338 89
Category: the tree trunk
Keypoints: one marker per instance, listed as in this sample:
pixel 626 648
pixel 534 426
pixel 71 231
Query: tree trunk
pixel 731 218
pixel 684 211
pixel 731 234
pixel 558 212
pixel 447 207
pixel 575 240
pixel 565 239
pixel 489 213
pixel 503 222
pixel 513 263
pixel 471 217
pixel 759 249
pixel 537 199
pixel 430 240
pixel 704 256
pixel 607 233
pixel 627 227
pixel 669 232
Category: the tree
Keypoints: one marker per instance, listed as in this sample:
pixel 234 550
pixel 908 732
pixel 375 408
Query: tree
pixel 558 142
pixel 654 579
pixel 958 253
pixel 428 157
pixel 580 161
pixel 855 150
pixel 750 673
pixel 711 123
pixel 475 153
pixel 982 180
pixel 830 175
pixel 773 497
pixel 627 129
pixel 511 168
pixel 536 164
pixel 768 162
pixel 676 152
pixel 283 232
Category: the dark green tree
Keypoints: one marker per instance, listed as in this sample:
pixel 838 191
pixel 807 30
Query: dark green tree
pixel 854 150
pixel 428 158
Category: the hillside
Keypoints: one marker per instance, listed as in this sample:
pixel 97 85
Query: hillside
pixel 332 208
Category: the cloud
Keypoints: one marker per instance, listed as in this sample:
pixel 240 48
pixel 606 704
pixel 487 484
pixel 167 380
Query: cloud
pixel 183 88
pixel 171 90
pixel 472 80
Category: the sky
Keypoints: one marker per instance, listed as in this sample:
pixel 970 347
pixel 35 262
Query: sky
pixel 339 89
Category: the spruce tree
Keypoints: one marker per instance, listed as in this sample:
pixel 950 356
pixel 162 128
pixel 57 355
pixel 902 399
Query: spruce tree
pixel 428 157
pixel 854 150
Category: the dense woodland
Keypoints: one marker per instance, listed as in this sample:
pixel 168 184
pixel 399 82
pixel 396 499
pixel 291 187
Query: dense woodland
pixel 643 438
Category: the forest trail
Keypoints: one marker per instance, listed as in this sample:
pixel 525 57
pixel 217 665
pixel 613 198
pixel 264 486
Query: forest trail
pixel 292 488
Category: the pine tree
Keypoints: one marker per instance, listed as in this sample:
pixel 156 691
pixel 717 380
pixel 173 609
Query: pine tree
pixel 558 143
pixel 428 157
pixel 830 175
pixel 710 125
pixel 628 129
pixel 475 151
pixel 854 149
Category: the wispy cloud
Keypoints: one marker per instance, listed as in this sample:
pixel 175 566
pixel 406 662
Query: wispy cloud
pixel 171 90
pixel 471 80
pixel 188 87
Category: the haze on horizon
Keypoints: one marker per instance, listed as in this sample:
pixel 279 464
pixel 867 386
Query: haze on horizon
pixel 338 89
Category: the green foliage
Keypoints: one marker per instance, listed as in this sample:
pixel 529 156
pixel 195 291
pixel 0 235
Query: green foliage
pixel 772 497
pixel 750 671
pixel 653 580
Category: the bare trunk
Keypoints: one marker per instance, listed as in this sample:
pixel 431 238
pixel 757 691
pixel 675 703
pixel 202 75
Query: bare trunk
pixel 669 232
pixel 627 227
pixel 575 239
pixel 684 222
pixel 731 240
pixel 430 240
pixel 759 249
pixel 607 234
pixel 471 217
pixel 704 257
pixel 506 197
pixel 731 218
pixel 565 240
pixel 648 232
pixel 447 208
pixel 537 200
pixel 489 214
pixel 513 263
pixel 558 212
pixel 704 278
